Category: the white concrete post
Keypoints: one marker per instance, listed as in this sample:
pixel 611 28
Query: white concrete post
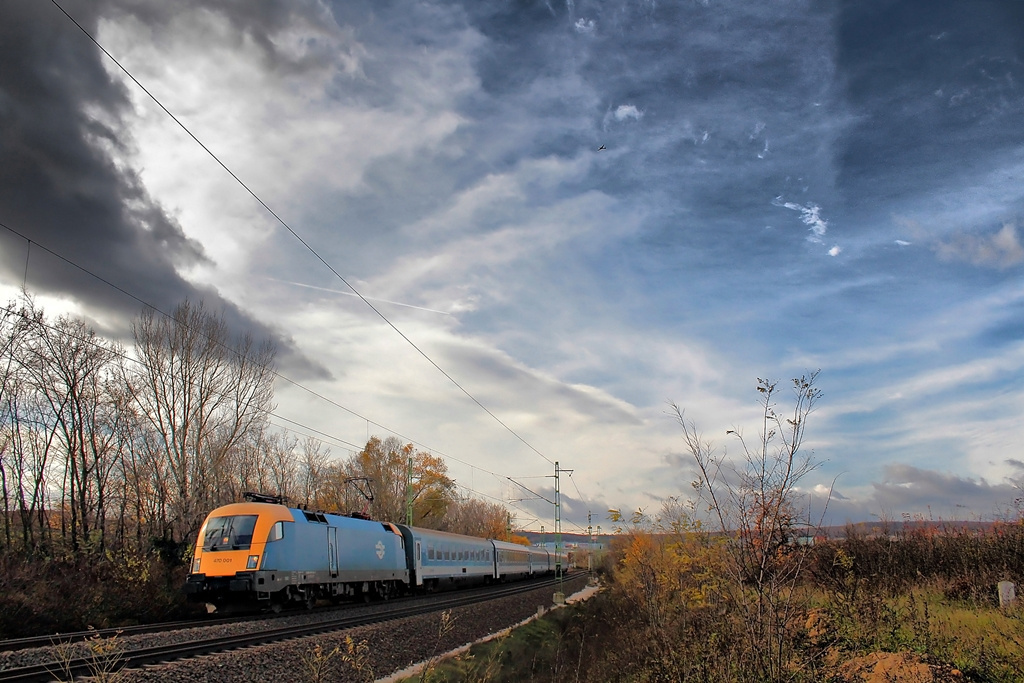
pixel 1007 594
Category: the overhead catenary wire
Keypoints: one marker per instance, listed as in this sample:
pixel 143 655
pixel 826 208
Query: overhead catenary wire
pixel 269 413
pixel 545 499
pixel 276 374
pixel 130 359
pixel 309 247
pixel 296 235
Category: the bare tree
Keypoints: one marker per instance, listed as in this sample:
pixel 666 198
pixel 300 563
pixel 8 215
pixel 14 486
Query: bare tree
pixel 202 394
pixel 282 463
pixel 754 504
pixel 31 427
pixel 69 365
pixel 313 468
pixel 11 331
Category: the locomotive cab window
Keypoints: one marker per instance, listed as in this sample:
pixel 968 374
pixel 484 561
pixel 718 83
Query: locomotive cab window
pixel 229 533
pixel 276 532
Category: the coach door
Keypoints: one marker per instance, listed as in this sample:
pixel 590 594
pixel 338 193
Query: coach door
pixel 332 549
pixel 419 565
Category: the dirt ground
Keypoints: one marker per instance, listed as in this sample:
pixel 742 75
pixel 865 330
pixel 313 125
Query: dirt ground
pixel 895 667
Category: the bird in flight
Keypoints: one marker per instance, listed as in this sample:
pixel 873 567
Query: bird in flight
pixel 602 147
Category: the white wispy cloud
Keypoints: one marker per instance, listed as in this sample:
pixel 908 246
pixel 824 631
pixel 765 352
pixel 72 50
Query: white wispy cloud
pixel 627 111
pixel 810 214
pixel 585 25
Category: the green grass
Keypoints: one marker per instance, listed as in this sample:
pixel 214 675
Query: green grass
pixel 535 651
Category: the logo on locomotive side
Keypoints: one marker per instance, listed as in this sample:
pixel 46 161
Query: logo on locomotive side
pixel 380 550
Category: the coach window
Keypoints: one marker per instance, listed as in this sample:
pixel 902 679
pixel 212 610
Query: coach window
pixel 430 552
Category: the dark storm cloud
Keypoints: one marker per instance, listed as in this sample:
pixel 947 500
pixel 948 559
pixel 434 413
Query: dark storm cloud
pixel 58 183
pixel 908 492
pixel 60 130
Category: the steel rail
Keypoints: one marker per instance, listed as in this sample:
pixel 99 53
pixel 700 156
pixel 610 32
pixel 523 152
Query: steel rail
pixel 129 659
pixel 51 640
pixel 28 642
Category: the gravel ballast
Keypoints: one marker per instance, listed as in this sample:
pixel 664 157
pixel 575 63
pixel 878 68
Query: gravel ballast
pixel 386 648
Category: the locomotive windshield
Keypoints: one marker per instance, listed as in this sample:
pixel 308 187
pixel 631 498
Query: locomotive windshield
pixel 229 533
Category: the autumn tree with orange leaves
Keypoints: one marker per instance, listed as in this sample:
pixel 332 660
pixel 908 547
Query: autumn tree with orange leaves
pixel 475 517
pixel 376 481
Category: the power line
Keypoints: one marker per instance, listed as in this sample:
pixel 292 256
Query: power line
pixel 137 361
pixel 113 352
pixel 530 491
pixel 294 234
pixel 275 373
pixel 318 434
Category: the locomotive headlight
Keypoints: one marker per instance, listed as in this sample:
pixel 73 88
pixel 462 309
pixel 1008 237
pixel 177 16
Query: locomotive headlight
pixel 253 559
pixel 195 566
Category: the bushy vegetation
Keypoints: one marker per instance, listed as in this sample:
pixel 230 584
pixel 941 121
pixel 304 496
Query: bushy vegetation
pixel 40 594
pixel 969 559
pixel 668 612
pixel 925 588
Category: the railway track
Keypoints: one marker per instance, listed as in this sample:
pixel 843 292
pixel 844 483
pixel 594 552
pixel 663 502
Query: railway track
pixel 15 644
pixel 153 655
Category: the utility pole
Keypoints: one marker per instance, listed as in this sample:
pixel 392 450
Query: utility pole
pixel 408 493
pixel 560 595
pixel 590 549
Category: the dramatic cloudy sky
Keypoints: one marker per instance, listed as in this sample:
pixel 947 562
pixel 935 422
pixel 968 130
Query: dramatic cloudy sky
pixel 578 210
